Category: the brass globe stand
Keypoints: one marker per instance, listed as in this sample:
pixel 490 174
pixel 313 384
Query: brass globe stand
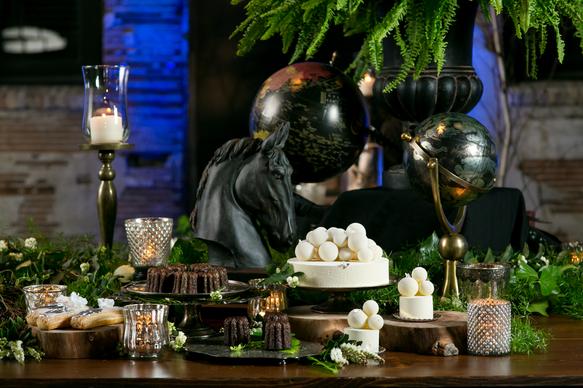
pixel 452 246
pixel 106 195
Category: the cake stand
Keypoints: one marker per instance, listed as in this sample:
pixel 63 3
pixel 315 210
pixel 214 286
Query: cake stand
pixel 189 319
pixel 338 301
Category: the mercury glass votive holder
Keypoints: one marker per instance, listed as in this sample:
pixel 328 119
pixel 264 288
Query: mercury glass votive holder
pixel 270 298
pixel 41 295
pixel 489 312
pixel 149 240
pixel 145 329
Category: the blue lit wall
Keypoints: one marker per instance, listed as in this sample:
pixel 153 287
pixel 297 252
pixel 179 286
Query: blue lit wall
pixel 151 36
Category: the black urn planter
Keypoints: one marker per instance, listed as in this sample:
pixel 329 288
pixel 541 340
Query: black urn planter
pixel 456 89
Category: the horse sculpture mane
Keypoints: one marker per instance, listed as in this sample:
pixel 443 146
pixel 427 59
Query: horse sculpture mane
pixel 245 200
pixel 233 148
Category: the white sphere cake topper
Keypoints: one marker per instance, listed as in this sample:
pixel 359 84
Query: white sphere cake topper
pixel 355 228
pixel 408 286
pixel 357 319
pixel 370 308
pixel 419 274
pixel 375 322
pixel 426 288
pixel 365 255
pixel 345 254
pixel 317 236
pixel 304 250
pixel 377 252
pixel 328 251
pixel 357 242
pixel 340 238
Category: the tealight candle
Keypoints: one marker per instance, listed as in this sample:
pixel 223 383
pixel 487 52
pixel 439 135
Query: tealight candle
pixel 145 329
pixel 489 327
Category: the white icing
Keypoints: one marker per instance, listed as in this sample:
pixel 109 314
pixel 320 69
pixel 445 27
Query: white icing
pixel 338 274
pixel 416 307
pixel 369 338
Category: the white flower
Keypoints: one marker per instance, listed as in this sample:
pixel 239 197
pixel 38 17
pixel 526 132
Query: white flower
pixel 105 303
pixel 3 245
pixel 337 356
pixel 216 296
pixel 544 260
pixel 75 302
pixel 521 259
pixel 16 256
pixel 178 342
pixel 17 351
pixel 125 273
pixel 292 281
pixel 84 267
pixel 277 270
pixel 30 243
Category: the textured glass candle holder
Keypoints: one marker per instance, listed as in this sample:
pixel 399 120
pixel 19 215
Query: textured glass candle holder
pixel 145 329
pixel 41 295
pixel 105 118
pixel 489 327
pixel 271 298
pixel 489 313
pixel 149 240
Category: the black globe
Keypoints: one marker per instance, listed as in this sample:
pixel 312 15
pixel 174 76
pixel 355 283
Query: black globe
pixel 327 115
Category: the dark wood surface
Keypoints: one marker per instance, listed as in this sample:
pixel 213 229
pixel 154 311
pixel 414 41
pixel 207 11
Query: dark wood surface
pixel 562 365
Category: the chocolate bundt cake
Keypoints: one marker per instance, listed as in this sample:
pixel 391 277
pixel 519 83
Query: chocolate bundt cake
pixel 237 331
pixel 186 279
pixel 276 331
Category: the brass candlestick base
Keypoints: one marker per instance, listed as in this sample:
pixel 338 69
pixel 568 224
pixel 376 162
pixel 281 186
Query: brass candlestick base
pixel 106 195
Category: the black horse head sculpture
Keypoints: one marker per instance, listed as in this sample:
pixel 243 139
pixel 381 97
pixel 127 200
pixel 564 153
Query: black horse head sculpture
pixel 245 188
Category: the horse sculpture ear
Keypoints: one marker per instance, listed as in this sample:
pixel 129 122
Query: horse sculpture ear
pixel 277 139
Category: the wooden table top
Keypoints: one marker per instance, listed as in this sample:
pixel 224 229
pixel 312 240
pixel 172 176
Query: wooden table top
pixel 561 365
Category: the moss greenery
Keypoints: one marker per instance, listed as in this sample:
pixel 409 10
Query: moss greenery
pixel 418 27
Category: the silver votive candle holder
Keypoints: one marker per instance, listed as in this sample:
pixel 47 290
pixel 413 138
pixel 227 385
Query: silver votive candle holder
pixel 145 330
pixel 489 311
pixel 42 295
pixel 149 240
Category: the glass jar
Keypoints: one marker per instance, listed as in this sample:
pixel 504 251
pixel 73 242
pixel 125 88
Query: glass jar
pixel 149 241
pixel 145 329
pixel 42 295
pixel 105 118
pixel 269 298
pixel 489 311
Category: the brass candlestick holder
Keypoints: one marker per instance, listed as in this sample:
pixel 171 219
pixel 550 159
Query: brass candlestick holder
pixel 106 194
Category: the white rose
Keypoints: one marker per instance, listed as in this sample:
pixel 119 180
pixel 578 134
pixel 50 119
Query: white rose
pixel 337 356
pixel 30 243
pixel 105 303
pixel 3 245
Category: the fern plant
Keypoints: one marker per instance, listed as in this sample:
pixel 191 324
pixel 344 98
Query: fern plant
pixel 419 28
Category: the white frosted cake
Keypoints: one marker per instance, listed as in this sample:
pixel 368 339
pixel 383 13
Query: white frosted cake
pixel 369 338
pixel 338 258
pixel 365 325
pixel 416 307
pixel 416 301
pixel 342 274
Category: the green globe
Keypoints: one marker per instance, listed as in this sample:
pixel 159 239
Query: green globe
pixel 466 155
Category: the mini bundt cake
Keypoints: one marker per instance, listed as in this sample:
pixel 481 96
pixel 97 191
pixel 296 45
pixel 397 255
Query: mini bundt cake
pixel 237 331
pixel 276 331
pixel 186 279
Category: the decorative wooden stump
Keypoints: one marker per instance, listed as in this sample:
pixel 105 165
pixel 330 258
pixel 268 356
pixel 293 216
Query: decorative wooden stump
pixel 100 342
pixel 445 336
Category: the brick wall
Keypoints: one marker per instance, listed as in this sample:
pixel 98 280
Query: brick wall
pixel 44 178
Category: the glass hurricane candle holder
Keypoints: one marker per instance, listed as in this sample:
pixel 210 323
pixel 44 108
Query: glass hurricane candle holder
pixel 489 314
pixel 145 329
pixel 105 118
pixel 149 240
pixel 41 295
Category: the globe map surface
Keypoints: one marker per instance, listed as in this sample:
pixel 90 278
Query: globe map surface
pixel 327 115
pixel 463 147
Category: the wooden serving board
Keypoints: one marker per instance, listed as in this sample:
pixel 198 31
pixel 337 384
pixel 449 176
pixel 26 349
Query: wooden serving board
pixel 100 342
pixel 445 336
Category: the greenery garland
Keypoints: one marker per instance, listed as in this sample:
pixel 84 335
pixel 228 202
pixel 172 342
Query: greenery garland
pixel 419 28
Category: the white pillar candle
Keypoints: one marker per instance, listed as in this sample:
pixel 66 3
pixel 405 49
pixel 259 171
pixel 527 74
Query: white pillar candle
pixel 106 129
